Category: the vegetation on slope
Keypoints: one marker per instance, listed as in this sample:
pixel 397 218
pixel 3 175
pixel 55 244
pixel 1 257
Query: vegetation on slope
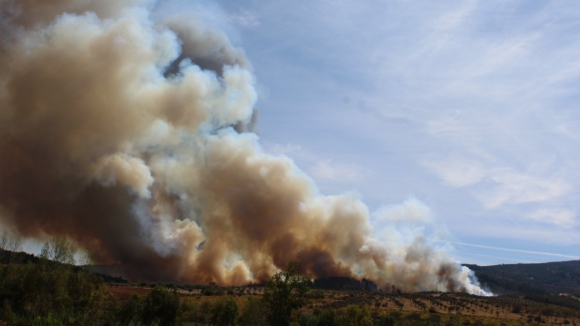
pixel 43 291
pixel 554 278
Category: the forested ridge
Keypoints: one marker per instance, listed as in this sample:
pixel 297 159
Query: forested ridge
pixel 553 277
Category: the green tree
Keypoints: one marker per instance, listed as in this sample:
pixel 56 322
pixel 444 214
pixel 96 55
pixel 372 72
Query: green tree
pixel 387 321
pixel 59 249
pixel 34 294
pixel 253 312
pixel 284 292
pixel 128 314
pixel 358 316
pixel 328 318
pixel 225 312
pixel 160 307
pixel 10 242
pixel 454 321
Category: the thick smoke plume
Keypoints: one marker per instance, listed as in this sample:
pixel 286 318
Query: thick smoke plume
pixel 133 138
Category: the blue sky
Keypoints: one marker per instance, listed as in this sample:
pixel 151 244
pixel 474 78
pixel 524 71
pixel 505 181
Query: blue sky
pixel 468 107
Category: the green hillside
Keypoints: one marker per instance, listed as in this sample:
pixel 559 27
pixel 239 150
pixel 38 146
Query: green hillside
pixel 556 277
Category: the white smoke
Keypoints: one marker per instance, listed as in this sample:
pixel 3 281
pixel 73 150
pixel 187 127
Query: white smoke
pixel 133 138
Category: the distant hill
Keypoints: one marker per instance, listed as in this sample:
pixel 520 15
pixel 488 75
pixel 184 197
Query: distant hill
pixel 114 272
pixel 12 257
pixel 556 277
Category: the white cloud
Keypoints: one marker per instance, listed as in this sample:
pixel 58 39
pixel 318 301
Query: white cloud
pixel 411 210
pixel 512 187
pixel 498 186
pixel 281 149
pixel 457 172
pixel 334 171
pixel 564 130
pixel 245 19
pixel 317 165
pixel 456 17
pixel 560 217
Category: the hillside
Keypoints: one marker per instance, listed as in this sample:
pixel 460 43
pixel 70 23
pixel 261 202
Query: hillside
pixel 11 257
pixel 555 277
pixel 88 300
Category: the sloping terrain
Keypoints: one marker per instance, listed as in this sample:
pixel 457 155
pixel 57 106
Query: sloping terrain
pixel 555 277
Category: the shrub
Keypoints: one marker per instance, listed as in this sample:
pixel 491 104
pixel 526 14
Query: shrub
pixel 225 312
pixel 253 312
pixel 37 293
pixel 386 321
pixel 161 307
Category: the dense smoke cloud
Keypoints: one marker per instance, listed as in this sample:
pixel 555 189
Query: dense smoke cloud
pixel 133 138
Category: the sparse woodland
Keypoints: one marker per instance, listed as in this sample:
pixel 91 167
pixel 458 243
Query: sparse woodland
pixel 49 290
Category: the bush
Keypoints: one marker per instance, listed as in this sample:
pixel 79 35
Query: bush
pixel 131 311
pixel 49 293
pixel 454 321
pixel 160 307
pixel 253 312
pixel 328 318
pixel 358 316
pixel 308 320
pixel 225 312
pixel 386 321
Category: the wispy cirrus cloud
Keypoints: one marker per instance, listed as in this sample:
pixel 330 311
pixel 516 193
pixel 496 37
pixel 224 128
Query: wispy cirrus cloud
pixel 513 187
pixel 335 171
pixel 561 217
pixel 503 185
pixel 244 18
pixel 457 172
pixel 532 252
pixel 319 167
pixel 410 211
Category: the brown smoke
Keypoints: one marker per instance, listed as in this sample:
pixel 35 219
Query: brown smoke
pixel 125 135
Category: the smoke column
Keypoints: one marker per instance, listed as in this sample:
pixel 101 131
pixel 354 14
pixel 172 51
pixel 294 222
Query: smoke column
pixel 132 137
